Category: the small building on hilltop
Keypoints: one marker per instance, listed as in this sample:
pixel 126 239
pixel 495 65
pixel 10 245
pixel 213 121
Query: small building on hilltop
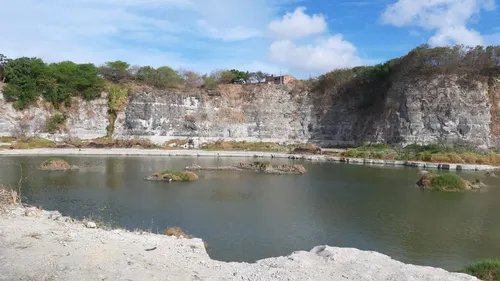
pixel 284 79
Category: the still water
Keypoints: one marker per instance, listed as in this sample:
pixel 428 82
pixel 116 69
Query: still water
pixel 245 216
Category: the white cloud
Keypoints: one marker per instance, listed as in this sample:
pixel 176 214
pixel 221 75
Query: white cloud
pixel 323 55
pixel 297 25
pixel 145 32
pixel 448 18
pixel 236 33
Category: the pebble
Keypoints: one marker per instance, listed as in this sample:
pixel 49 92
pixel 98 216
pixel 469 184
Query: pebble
pixel 90 224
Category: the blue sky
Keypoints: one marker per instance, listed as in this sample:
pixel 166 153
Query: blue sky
pixel 300 37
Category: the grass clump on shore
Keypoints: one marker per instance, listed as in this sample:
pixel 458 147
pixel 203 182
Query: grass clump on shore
pixel 443 182
pixel 177 232
pixel 488 270
pixel 176 176
pixel 55 164
pixel 26 143
pixel 435 153
pixel 244 146
pixel 8 196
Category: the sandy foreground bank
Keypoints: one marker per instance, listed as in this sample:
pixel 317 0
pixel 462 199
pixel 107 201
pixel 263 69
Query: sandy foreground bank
pixel 203 153
pixel 42 245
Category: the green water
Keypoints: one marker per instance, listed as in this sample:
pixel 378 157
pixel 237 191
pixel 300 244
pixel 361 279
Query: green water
pixel 245 216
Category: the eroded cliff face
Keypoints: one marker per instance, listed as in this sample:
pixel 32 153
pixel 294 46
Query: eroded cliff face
pixel 233 112
pixel 443 109
pixel 439 109
pixel 86 119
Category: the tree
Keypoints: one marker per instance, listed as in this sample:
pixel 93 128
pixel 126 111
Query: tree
pixel 3 61
pixel 258 76
pixel 191 78
pixel 115 71
pixel 22 76
pixel 163 77
pixel 233 75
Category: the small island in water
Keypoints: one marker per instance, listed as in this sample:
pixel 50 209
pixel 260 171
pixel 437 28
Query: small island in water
pixel 57 164
pixel 262 167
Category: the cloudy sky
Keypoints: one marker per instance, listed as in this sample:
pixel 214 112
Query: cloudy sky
pixel 301 37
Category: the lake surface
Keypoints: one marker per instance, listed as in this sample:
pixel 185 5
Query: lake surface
pixel 246 216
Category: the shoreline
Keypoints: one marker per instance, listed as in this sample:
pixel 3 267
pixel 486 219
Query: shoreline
pixel 243 154
pixel 43 245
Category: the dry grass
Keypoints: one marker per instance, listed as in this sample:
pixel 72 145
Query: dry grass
pixel 30 144
pixel 55 164
pixel 176 142
pixel 8 197
pixel 244 146
pixel 7 139
pixel 231 116
pixel 176 176
pixel 177 232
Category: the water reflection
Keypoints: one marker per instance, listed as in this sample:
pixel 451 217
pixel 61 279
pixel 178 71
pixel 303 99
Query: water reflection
pixel 246 216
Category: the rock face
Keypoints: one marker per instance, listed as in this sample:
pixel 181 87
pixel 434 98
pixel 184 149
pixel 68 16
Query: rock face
pixel 86 119
pixel 233 112
pixel 421 110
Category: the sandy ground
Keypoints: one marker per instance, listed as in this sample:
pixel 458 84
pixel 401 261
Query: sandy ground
pixel 42 245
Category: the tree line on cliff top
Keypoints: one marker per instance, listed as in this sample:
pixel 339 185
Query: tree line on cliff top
pixel 29 78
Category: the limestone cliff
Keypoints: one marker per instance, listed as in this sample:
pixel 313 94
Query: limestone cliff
pixel 444 109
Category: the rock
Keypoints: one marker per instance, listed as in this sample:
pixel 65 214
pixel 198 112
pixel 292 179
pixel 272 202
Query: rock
pixel 169 176
pixel 90 224
pixel 33 212
pixel 490 174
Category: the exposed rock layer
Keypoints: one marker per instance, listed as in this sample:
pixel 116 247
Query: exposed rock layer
pixel 439 109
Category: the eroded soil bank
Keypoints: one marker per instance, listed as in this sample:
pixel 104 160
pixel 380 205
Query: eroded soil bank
pixel 42 245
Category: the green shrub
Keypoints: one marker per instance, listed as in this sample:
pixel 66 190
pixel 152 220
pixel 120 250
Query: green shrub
pixel 488 270
pixel 443 182
pixel 27 78
pixel 53 124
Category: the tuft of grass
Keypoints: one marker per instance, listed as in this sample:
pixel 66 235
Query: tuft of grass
pixel 244 146
pixel 177 232
pixel 488 270
pixel 429 153
pixel 7 139
pixel 8 196
pixel 55 164
pixel 177 176
pixel 54 123
pixel 443 182
pixel 32 143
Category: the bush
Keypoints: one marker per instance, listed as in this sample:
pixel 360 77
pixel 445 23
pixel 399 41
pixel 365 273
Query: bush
pixel 54 164
pixel 177 232
pixel 488 270
pixel 163 77
pixel 27 78
pixel 443 182
pixel 53 124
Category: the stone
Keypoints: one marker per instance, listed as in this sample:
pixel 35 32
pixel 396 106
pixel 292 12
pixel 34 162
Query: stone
pixel 33 212
pixel 90 224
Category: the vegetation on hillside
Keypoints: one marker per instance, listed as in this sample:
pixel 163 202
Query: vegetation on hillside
pixel 370 84
pixel 30 78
